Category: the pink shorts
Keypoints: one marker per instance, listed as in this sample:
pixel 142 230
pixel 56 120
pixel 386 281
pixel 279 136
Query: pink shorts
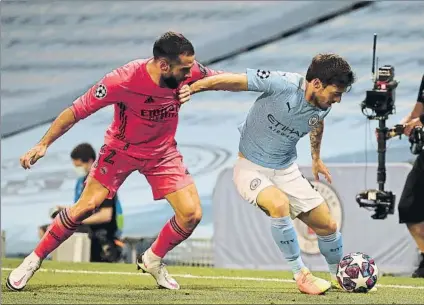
pixel 165 175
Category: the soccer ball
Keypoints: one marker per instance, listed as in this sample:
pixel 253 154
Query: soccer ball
pixel 357 272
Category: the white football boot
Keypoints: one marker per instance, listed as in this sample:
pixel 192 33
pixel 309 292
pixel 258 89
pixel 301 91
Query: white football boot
pixel 19 277
pixel 157 269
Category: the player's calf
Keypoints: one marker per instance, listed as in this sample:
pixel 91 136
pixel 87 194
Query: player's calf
pixel 331 247
pixel 64 225
pixel 330 240
pixel 173 233
pixel 276 204
pixel 330 243
pixel 286 239
pixel 188 214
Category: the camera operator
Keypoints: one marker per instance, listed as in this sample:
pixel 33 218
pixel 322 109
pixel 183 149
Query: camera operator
pixel 411 203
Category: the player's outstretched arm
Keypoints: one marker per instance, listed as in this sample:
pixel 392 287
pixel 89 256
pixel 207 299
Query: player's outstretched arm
pixel 105 92
pixel 60 125
pixel 253 80
pixel 221 82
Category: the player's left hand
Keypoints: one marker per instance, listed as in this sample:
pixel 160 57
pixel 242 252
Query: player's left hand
pixel 410 125
pixel 318 167
pixel 184 94
pixel 33 155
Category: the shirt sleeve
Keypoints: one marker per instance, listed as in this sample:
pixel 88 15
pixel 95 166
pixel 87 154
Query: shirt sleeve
pixel 199 71
pixel 241 126
pixel 420 97
pixel 271 81
pixel 104 93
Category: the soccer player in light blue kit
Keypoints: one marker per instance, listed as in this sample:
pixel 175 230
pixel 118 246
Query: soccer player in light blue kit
pixel 266 175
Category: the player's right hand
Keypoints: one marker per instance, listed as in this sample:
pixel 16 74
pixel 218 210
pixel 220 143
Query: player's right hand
pixel 33 155
pixel 184 94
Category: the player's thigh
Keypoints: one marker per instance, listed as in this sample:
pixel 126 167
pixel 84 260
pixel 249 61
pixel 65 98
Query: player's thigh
pixel 92 196
pixel 301 193
pixel 107 174
pixel 253 184
pixel 112 168
pixel 169 178
pixel 167 175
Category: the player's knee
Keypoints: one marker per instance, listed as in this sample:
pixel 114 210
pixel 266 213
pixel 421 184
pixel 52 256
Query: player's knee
pixel 278 211
pixel 332 227
pixel 91 205
pixel 327 229
pixel 191 218
pixel 85 207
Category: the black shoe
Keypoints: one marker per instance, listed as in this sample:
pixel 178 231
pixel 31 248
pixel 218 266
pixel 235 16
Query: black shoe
pixel 139 262
pixel 419 273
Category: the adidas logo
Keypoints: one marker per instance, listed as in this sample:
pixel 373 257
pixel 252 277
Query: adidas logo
pixel 149 100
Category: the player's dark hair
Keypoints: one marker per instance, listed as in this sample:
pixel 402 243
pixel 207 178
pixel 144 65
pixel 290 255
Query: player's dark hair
pixel 84 152
pixel 331 69
pixel 171 45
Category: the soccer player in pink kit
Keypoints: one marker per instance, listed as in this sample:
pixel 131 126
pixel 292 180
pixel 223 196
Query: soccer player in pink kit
pixel 145 94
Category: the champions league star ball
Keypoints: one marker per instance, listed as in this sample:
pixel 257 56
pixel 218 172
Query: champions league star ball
pixel 357 272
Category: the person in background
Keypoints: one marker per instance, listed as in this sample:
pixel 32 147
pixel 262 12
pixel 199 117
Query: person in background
pixel 104 227
pixel 411 202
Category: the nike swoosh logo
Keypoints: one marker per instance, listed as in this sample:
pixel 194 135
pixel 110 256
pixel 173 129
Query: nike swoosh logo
pixel 17 283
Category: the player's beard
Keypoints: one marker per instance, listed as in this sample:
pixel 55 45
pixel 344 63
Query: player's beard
pixel 170 81
pixel 316 102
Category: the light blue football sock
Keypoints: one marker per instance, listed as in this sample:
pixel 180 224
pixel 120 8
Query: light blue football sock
pixel 286 239
pixel 331 246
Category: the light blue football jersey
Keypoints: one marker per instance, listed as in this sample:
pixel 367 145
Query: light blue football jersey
pixel 278 119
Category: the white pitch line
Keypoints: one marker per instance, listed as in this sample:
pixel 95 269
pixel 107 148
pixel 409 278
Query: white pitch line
pixel 190 276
